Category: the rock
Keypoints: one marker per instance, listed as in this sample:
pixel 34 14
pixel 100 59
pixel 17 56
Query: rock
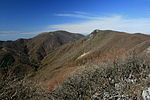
pixel 146 94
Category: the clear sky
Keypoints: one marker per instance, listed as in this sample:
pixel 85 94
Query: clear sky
pixel 27 18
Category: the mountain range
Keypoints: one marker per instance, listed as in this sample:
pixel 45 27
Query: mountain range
pixel 52 57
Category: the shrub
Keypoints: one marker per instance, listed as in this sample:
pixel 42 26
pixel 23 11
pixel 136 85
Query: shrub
pixel 122 79
pixel 17 88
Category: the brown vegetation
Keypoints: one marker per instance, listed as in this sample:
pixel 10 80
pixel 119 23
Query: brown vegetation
pixel 106 70
pixel 99 46
pixel 122 79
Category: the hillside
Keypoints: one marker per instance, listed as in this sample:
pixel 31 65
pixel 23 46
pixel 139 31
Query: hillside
pixel 117 79
pixel 29 52
pixel 41 45
pixel 59 61
pixel 100 43
pixel 98 46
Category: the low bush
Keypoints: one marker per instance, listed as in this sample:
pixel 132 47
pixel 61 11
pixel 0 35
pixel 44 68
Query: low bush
pixel 122 79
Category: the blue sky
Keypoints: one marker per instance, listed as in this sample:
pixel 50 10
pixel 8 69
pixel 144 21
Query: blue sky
pixel 27 18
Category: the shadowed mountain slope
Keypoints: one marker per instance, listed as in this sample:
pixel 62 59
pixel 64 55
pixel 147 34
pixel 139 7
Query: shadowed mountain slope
pixel 42 44
pixel 30 52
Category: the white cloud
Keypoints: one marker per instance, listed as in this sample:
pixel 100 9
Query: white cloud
pixel 74 15
pixel 8 32
pixel 35 32
pixel 77 14
pixel 81 12
pixel 115 22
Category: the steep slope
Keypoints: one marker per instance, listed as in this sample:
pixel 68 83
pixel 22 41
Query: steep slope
pixel 97 46
pixel 98 43
pixel 29 52
pixel 42 44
